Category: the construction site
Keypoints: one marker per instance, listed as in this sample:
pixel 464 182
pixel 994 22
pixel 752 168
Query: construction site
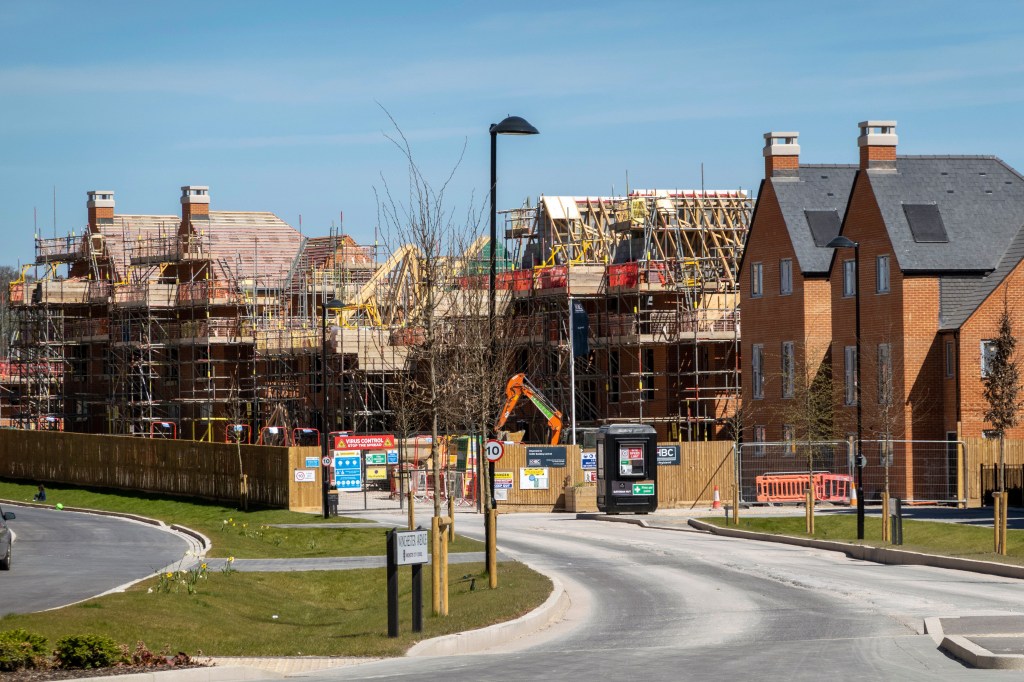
pixel 222 325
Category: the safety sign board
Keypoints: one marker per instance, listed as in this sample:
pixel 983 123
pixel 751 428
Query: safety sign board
pixel 376 473
pixel 392 456
pixel 348 471
pixel 493 450
pixel 381 441
pixel 643 488
pixel 376 458
pixel 305 475
pixel 312 462
pixel 411 547
pixel 503 480
pixel 588 460
pixel 590 477
pixel 533 478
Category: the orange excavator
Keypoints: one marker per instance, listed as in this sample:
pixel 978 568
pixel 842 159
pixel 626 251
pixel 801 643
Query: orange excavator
pixel 519 386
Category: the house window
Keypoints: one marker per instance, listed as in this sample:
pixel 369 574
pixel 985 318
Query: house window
pixel 950 359
pixel 850 385
pixel 882 274
pixel 757 370
pixel 884 374
pixel 789 438
pixel 785 276
pixel 613 376
pixel 988 354
pixel 788 369
pixel 760 436
pixel 849 278
pixel 756 280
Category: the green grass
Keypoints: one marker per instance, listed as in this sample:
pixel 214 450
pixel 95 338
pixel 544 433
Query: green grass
pixel 234 533
pixel 320 613
pixel 929 537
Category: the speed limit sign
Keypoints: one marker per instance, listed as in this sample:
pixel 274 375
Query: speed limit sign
pixel 326 461
pixel 493 450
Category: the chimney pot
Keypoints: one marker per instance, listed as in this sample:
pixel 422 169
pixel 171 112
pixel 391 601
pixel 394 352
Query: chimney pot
pixel 195 205
pixel 877 144
pixel 100 206
pixel 781 155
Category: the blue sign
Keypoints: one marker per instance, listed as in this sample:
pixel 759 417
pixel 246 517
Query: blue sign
pixel 668 454
pixel 392 456
pixel 588 460
pixel 550 456
pixel 312 462
pixel 348 473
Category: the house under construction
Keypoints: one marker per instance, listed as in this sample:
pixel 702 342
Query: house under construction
pixel 211 325
pixel 656 274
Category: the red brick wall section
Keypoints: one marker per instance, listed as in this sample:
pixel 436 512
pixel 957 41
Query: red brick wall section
pixel 984 324
pixel 800 317
pixel 875 153
pixel 774 163
pixel 100 212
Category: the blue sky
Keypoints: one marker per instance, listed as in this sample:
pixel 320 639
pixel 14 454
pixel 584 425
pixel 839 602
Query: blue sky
pixel 277 106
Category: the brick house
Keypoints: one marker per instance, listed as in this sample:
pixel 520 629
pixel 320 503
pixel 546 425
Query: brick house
pixel 940 243
pixel 784 285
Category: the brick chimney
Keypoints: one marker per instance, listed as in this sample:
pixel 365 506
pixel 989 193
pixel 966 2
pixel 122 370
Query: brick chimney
pixel 781 155
pixel 101 207
pixel 195 204
pixel 877 144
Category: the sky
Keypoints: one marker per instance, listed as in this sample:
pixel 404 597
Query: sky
pixel 287 106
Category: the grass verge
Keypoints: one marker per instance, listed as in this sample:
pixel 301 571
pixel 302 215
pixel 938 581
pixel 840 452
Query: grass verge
pixel 248 535
pixel 929 537
pixel 318 613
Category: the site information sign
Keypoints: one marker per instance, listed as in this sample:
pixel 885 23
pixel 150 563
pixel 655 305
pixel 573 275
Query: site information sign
pixel 550 456
pixel 381 441
pixel 533 478
pixel 668 454
pixel 503 480
pixel 588 460
pixel 411 547
pixel 348 471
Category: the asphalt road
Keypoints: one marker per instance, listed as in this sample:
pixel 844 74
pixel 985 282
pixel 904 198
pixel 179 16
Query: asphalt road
pixel 62 557
pixel 652 604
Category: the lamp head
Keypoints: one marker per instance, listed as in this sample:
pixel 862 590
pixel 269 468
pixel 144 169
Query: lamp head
pixel 513 125
pixel 842 242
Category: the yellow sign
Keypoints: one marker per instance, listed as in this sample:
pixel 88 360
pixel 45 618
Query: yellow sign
pixel 376 473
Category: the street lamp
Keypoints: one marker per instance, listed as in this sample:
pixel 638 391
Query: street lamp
pixel 333 305
pixel 513 125
pixel 842 242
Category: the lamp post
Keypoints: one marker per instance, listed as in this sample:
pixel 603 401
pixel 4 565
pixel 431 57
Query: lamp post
pixel 842 242
pixel 513 125
pixel 332 305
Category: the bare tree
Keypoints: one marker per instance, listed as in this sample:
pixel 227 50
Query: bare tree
pixel 1002 385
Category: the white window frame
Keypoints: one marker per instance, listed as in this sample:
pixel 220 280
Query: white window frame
pixel 849 278
pixel 756 280
pixel 850 375
pixel 882 274
pixel 885 377
pixel 988 352
pixel 757 370
pixel 788 369
pixel 785 277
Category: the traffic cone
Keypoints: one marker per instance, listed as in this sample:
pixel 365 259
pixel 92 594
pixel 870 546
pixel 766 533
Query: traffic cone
pixel 717 503
pixel 853 496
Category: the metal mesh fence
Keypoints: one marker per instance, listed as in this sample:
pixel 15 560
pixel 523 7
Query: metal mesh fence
pixel 389 492
pixel 781 472
pixel 914 471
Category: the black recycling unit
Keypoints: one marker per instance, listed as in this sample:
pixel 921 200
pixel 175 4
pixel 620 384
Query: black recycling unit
pixel 627 468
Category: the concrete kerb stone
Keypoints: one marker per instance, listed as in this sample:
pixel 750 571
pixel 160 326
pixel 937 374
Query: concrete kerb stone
pixel 474 641
pixel 978 656
pixel 209 674
pixel 879 555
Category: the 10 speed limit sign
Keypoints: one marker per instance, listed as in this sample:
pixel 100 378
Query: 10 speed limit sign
pixel 493 450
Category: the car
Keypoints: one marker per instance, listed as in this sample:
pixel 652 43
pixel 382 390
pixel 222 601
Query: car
pixel 6 540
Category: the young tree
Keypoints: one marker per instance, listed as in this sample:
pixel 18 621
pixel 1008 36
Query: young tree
pixel 1002 385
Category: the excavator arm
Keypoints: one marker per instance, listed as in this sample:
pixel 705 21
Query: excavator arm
pixel 519 386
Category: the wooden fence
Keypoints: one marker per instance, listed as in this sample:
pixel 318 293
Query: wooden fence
pixel 984 453
pixel 174 467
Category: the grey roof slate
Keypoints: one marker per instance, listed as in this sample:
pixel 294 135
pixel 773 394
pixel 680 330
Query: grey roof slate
pixel 980 198
pixel 818 188
pixel 960 295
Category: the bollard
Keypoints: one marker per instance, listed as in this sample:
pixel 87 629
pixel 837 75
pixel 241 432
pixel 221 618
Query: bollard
pixel 735 505
pixel 897 521
pixel 997 525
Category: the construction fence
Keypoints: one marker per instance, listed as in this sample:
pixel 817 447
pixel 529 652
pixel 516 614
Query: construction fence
pixel 915 471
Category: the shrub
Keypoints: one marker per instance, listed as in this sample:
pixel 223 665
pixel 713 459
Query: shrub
pixel 21 649
pixel 87 651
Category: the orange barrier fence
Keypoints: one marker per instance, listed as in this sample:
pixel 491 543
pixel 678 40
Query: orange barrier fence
pixel 790 487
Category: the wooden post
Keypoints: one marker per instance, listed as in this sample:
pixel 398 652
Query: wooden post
pixel 451 517
pixel 886 531
pixel 809 510
pixel 1002 532
pixel 735 505
pixel 446 528
pixel 997 520
pixel 435 566
pixel 412 511
pixel 492 547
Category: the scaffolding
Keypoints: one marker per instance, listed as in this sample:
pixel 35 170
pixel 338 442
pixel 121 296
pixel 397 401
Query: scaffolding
pixel 656 273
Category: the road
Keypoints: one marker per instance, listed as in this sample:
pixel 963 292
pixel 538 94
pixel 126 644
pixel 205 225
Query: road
pixel 62 557
pixel 654 604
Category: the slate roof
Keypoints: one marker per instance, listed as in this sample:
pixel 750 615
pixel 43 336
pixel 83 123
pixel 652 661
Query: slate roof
pixel 818 188
pixel 980 199
pixel 960 295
